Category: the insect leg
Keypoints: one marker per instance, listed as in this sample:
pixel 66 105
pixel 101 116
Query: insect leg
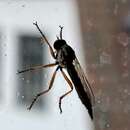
pixel 71 86
pixel 42 93
pixel 37 67
pixel 45 39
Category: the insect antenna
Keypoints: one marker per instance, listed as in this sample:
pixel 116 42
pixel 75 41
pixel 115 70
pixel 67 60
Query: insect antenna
pixel 61 27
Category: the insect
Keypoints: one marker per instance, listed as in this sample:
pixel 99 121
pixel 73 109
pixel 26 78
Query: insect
pixel 65 58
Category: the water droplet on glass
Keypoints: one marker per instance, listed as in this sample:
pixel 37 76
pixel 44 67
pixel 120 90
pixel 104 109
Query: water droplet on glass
pixel 23 6
pixel 120 102
pixel 123 39
pixel 107 125
pixel 125 90
pixel 116 9
pixel 45 76
pixel 126 74
pixel 98 101
pixel 124 1
pixel 28 81
pixel 102 79
pixel 17 94
pixel 125 64
pixel 105 58
pixel 93 81
pixel 22 97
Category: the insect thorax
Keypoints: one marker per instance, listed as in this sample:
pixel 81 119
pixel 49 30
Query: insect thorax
pixel 65 55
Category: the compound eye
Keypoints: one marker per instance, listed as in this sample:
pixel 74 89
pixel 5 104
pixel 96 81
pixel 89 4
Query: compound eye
pixel 59 43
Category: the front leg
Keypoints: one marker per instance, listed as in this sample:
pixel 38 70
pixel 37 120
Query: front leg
pixel 50 48
pixel 44 38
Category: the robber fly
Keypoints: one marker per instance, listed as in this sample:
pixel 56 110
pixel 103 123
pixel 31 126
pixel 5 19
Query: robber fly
pixel 65 58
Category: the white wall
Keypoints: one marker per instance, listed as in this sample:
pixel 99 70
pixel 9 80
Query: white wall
pixel 16 16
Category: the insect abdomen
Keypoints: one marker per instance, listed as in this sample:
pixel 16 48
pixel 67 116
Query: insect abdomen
pixel 80 89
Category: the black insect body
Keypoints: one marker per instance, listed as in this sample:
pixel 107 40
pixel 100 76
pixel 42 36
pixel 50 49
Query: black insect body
pixel 65 54
pixel 65 58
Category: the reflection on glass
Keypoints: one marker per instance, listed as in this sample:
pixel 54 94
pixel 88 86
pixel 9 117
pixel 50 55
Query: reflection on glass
pixel 30 83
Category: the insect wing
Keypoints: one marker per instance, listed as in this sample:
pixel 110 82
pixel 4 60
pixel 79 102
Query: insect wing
pixel 83 78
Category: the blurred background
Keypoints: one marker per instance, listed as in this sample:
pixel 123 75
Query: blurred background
pixel 98 31
pixel 106 38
